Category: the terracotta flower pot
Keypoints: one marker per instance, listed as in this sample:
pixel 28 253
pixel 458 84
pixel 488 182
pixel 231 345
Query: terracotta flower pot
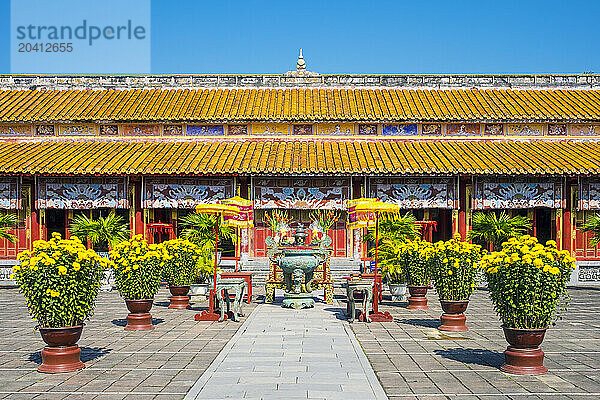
pixel 62 353
pixel 179 299
pixel 453 319
pixel 417 299
pixel 139 318
pixel 524 356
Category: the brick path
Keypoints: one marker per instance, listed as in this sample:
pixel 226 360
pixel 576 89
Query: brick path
pixel 413 360
pixel 291 354
pixel 160 364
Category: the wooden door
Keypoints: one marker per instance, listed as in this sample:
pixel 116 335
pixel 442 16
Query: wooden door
pixel 260 248
pixel 583 250
pixel 22 230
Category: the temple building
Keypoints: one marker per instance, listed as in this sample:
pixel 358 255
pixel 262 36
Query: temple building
pixel 441 146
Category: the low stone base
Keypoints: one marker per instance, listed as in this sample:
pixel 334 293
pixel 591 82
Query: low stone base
pixel 524 361
pixel 298 300
pixel 139 322
pixel 417 303
pixel 61 359
pixel 179 302
pixel 453 323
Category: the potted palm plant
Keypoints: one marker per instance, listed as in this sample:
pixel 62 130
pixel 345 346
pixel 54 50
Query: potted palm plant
pixel 138 270
pixel 200 230
pixel 415 257
pixel 180 269
pixel 60 281
pixel 527 282
pixel 394 230
pixel 102 234
pixel 454 274
pixel 495 229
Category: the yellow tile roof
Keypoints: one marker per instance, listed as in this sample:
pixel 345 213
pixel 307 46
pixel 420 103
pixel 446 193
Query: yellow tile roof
pixel 298 156
pixel 299 104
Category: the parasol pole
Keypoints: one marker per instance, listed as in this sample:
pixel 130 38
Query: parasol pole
pixel 216 252
pixel 376 294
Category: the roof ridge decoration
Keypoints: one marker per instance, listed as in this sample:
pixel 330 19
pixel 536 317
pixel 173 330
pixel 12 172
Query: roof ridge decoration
pixel 302 78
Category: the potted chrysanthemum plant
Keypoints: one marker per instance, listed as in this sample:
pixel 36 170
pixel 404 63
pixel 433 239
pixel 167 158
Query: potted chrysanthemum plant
pixel 415 257
pixel 180 269
pixel 138 272
pixel 60 280
pixel 455 275
pixel 527 284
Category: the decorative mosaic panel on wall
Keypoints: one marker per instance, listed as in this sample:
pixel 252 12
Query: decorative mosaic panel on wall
pixel 259 128
pixel 237 129
pixel 589 194
pixel 303 129
pixel 10 193
pixel 335 129
pixel 367 129
pixel 415 192
pixel 15 130
pixel 77 130
pixel 431 129
pixel 557 130
pixel 399 130
pixel 44 130
pixel 184 192
pixel 109 130
pixel 493 129
pixel 205 130
pixel 521 194
pixel 141 130
pixel 173 130
pixel 463 129
pixel 525 129
pixel 585 130
pixel 82 193
pixel 301 193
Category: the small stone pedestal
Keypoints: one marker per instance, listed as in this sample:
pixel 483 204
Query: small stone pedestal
pixel 61 359
pixel 298 300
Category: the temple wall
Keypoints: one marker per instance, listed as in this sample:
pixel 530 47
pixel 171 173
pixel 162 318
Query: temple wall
pixel 581 81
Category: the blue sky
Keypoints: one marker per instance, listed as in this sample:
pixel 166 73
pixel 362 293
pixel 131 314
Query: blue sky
pixel 367 37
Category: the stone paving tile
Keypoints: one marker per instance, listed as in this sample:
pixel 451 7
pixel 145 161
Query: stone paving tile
pixel 119 364
pixel 412 359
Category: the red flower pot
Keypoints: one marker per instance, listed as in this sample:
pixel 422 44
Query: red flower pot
pixel 524 356
pixel 62 353
pixel 139 318
pixel 179 299
pixel 417 299
pixel 453 319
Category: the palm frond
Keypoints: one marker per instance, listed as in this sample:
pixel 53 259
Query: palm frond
pixel 8 222
pixel 496 228
pixel 110 230
pixel 200 229
pixel 593 225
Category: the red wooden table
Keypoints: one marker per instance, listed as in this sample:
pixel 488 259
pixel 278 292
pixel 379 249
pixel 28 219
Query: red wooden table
pixel 247 277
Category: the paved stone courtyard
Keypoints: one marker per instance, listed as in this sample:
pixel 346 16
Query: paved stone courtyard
pixel 411 358
pixel 160 364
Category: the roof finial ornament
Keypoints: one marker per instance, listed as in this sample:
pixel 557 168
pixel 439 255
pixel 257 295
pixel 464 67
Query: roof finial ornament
pixel 300 64
pixel 301 71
